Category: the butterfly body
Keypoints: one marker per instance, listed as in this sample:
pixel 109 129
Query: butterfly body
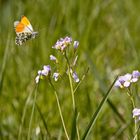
pixel 24 31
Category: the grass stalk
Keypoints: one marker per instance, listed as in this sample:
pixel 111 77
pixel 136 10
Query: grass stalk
pixel 97 112
pixel 129 93
pixel 83 77
pixel 70 81
pixel 77 128
pixel 60 111
pixel 43 120
pixel 71 87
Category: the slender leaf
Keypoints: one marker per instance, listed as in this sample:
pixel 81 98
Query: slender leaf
pixel 103 89
pixel 43 119
pixel 97 112
pixel 73 128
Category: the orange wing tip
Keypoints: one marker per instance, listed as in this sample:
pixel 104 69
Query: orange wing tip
pixel 25 21
pixel 20 27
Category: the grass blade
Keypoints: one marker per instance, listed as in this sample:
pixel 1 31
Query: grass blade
pixel 103 89
pixel 96 114
pixel 43 119
pixel 73 129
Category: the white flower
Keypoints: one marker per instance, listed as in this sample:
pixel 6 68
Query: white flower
pixel 37 79
pixel 75 77
pixel 46 70
pixel 37 130
pixel 135 76
pixel 56 76
pixel 41 73
pixel 62 43
pixel 75 44
pixel 127 79
pixel 123 81
pixel 136 113
pixel 53 58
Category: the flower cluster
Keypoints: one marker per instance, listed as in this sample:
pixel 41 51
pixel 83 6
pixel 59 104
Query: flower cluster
pixel 127 79
pixel 43 73
pixel 136 113
pixel 60 45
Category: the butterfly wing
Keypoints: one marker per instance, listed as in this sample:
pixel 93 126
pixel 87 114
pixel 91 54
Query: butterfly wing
pixel 16 23
pixel 24 31
pixel 19 28
pixel 23 26
pixel 22 38
pixel 27 24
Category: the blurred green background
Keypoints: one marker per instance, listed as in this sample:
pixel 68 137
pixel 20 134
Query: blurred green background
pixel 109 36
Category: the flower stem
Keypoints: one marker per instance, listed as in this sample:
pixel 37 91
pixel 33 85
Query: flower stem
pixel 70 80
pixel 77 129
pixel 71 87
pixel 129 93
pixel 81 80
pixel 60 111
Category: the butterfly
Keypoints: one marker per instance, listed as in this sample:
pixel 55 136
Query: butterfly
pixel 24 31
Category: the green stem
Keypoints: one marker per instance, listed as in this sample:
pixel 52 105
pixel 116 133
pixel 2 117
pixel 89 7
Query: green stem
pixel 81 80
pixel 129 93
pixel 77 129
pixel 97 112
pixel 31 118
pixel 71 87
pixel 60 111
pixel 70 80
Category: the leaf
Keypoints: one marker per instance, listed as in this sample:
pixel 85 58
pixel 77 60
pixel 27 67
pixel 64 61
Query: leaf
pixel 97 112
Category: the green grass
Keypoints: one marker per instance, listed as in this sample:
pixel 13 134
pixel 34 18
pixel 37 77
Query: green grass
pixel 109 36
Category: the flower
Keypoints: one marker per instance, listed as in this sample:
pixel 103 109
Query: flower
pixel 37 130
pixel 53 58
pixel 75 77
pixel 75 44
pixel 123 81
pixel 62 43
pixel 41 73
pixel 56 76
pixel 135 75
pixel 37 79
pixel 136 113
pixel 127 79
pixel 46 70
pixel 38 76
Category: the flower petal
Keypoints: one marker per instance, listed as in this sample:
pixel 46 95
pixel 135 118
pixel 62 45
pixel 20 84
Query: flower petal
pixel 56 76
pixel 37 79
pixel 75 77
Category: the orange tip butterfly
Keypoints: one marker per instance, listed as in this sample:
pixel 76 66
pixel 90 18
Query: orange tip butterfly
pixel 24 31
